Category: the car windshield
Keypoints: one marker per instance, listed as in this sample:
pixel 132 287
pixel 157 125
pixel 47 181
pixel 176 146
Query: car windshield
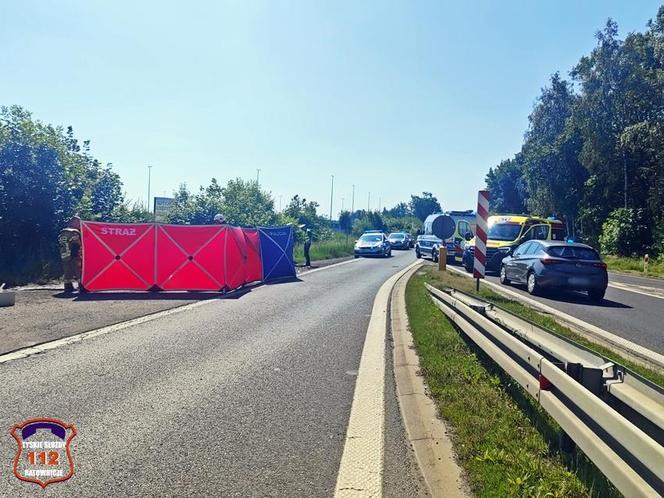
pixel 572 252
pixel 504 231
pixel 371 238
pixel 396 236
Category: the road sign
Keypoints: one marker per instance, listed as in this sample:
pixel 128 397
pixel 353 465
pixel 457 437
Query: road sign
pixel 162 206
pixel 480 233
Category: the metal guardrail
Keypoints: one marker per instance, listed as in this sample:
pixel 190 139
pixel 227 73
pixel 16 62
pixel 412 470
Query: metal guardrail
pixel 612 414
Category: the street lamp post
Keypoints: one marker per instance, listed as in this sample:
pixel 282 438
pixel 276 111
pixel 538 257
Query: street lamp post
pixel 149 185
pixel 331 198
pixel 352 202
pixel 258 176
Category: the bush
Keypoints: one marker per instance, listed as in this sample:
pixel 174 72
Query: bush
pixel 624 233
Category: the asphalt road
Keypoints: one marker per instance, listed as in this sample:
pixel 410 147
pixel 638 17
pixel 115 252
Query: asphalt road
pixel 633 315
pixel 244 397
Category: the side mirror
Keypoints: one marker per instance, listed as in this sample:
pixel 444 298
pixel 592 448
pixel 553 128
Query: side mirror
pixel 468 236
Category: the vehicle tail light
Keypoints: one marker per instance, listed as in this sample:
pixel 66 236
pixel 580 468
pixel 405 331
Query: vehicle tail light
pixel 550 261
pixel 601 265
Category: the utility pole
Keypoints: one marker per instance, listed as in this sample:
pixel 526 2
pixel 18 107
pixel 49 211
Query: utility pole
pixel 149 185
pixel 258 176
pixel 331 198
pixel 352 202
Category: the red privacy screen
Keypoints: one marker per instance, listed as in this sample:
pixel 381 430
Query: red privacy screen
pixel 118 256
pixel 168 257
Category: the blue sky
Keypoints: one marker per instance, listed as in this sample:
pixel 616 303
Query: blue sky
pixel 394 97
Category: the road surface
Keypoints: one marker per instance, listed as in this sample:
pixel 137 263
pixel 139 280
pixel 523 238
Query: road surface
pixel 244 397
pixel 633 308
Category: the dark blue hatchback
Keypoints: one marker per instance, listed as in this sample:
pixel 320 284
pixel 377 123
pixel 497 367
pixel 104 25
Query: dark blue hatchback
pixel 556 265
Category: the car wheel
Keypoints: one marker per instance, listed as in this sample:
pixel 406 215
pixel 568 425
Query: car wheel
pixel 417 254
pixel 469 269
pixel 596 294
pixel 533 288
pixel 434 256
pixel 503 276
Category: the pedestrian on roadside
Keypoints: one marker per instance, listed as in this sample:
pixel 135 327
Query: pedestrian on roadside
pixel 219 219
pixel 307 247
pixel 71 253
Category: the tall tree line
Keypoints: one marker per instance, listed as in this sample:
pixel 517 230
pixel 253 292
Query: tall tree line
pixel 593 152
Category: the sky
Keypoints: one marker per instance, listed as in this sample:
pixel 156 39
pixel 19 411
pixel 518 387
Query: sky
pixel 394 97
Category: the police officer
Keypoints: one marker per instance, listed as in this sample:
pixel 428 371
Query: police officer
pixel 69 241
pixel 307 247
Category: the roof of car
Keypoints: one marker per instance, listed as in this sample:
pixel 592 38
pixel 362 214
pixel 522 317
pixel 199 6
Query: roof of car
pixel 552 243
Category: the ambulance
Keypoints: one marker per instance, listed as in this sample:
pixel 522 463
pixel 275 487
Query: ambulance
pixel 506 232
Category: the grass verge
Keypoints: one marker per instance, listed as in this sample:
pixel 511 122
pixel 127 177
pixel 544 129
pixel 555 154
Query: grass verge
pixel 506 443
pixel 336 247
pixel 635 266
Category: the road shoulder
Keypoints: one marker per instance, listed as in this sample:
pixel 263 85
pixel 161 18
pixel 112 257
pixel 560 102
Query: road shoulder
pixel 426 431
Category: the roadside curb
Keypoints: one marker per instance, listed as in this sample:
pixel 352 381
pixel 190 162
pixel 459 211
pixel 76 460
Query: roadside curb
pixel 633 351
pixel 426 431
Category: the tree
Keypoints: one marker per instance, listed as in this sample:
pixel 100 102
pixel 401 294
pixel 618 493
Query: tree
pixel 508 187
pixel 244 203
pixel 241 202
pixel 345 222
pixel 401 210
pixel 554 176
pixel 424 205
pixel 46 176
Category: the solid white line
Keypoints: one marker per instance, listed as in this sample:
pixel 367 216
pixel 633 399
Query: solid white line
pixel 635 290
pixel 361 468
pixel 22 353
pixel 616 340
pixel 309 272
pixel 41 348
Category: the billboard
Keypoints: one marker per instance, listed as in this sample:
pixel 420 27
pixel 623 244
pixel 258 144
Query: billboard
pixel 162 206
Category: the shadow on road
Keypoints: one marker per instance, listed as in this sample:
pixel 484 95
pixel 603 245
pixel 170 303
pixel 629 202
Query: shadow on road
pixel 152 296
pixel 581 298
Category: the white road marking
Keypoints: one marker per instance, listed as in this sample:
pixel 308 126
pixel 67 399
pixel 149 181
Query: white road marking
pixel 41 348
pixel 309 272
pixel 640 289
pixel 361 468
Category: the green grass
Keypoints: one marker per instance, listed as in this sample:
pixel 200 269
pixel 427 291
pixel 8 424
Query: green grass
pixel 504 441
pixel 635 265
pixel 336 247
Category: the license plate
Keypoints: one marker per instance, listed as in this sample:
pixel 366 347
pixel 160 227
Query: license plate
pixel 579 281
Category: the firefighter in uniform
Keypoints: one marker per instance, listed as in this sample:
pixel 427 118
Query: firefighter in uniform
pixel 71 253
